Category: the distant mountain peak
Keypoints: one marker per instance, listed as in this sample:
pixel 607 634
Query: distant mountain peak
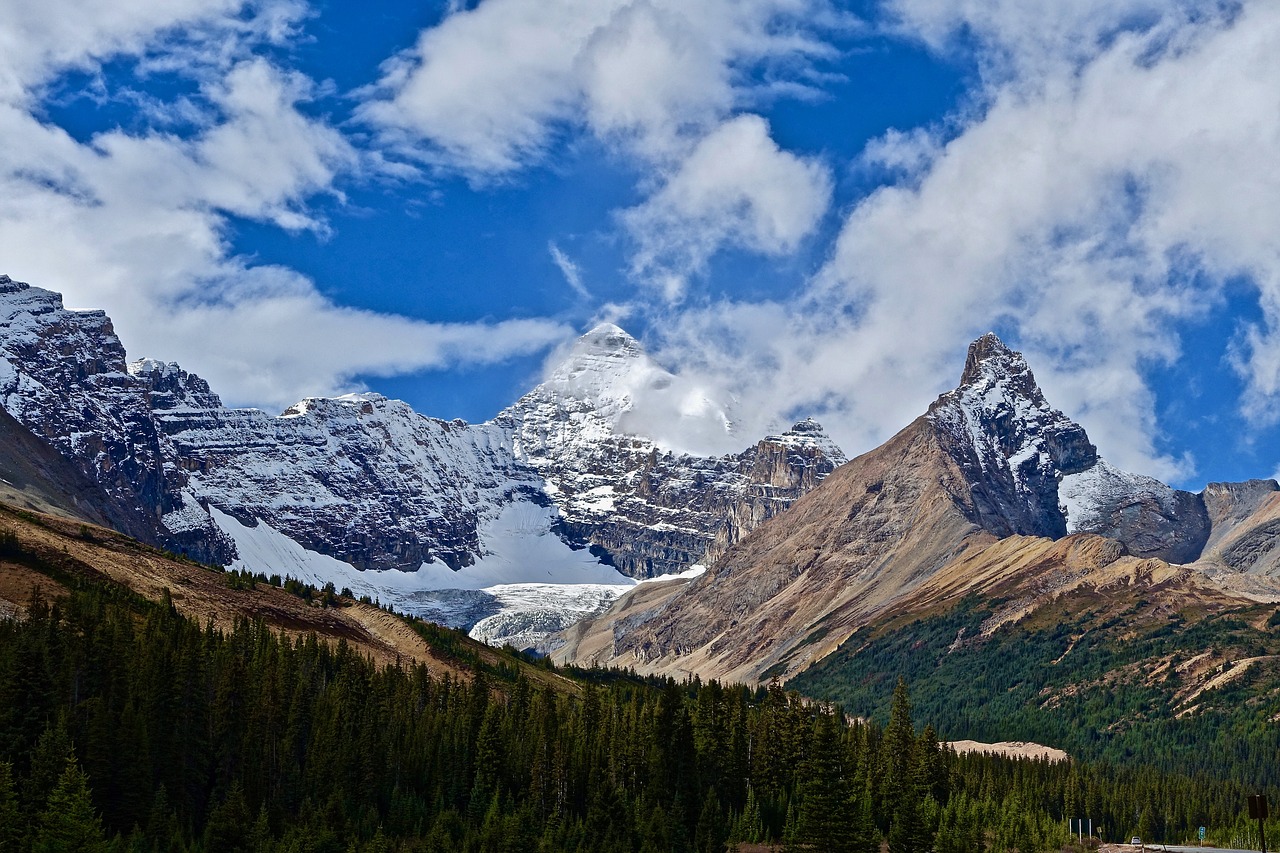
pixel 607 336
pixel 1012 445
pixel 809 434
pixel 990 361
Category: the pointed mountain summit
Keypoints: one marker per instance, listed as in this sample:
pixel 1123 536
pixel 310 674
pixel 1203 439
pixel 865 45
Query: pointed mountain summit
pixel 1010 443
pixel 607 385
pixel 1031 470
pixel 602 365
pixel 635 457
pixel 983 466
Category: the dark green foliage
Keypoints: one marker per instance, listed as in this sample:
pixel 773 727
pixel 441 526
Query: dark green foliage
pixel 1059 684
pixel 68 823
pixel 10 828
pixel 122 720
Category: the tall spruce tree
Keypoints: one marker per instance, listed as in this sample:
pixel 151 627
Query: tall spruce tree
pixel 826 816
pixel 69 823
pixel 907 831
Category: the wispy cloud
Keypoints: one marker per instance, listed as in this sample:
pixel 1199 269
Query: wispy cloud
pixel 571 272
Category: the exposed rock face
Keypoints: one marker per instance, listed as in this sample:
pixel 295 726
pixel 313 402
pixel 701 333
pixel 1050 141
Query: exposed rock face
pixel 1150 518
pixel 1031 470
pixel 33 475
pixel 989 463
pixel 651 509
pixel 876 527
pixel 1010 444
pixel 371 482
pixel 63 376
pixel 361 478
pixel 1246 526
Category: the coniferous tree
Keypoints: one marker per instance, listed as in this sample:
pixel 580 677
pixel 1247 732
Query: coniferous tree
pixel 48 763
pixel 69 823
pixel 907 832
pixel 826 816
pixel 229 827
pixel 10 816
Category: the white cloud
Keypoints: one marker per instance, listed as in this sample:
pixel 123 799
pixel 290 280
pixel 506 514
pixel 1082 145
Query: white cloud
pixel 486 89
pixel 136 222
pixel 1088 214
pixel 737 187
pixel 287 341
pixel 1023 42
pixel 40 40
pixel 490 89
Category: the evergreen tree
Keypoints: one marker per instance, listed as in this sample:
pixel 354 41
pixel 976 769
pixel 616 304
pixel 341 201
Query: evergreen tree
pixel 826 816
pixel 907 830
pixel 710 835
pixel 229 828
pixel 10 817
pixel 69 823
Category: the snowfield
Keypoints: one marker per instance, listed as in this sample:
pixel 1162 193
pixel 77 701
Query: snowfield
pixel 528 585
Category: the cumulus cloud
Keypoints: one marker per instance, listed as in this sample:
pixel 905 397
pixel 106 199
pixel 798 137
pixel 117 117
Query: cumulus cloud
pixel 737 187
pixel 136 222
pixel 1086 216
pixel 489 90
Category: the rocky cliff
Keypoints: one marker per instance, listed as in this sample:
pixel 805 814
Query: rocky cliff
pixel 990 461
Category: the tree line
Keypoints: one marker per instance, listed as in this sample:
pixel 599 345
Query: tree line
pixel 126 727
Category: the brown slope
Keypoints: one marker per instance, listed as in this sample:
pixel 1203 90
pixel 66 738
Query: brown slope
pixel 799 585
pixel 45 551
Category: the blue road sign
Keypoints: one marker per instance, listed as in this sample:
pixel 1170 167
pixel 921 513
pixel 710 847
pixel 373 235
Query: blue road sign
pixel 1202 833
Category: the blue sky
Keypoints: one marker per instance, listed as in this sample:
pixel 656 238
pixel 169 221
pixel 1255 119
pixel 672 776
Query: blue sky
pixel 803 207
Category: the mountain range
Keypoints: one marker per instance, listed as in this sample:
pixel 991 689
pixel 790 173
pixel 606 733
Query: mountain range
pixel 1028 587
pixel 991 493
pixel 362 491
pixel 541 518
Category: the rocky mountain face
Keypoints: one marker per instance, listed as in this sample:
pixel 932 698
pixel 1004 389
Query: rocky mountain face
pixel 989 462
pixel 370 482
pixel 1031 470
pixel 652 509
pixel 63 376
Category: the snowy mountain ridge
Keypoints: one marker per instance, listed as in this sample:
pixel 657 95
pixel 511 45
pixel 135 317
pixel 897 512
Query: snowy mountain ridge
pixel 365 482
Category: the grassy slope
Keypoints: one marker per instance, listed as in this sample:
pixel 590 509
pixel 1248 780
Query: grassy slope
pixel 1114 674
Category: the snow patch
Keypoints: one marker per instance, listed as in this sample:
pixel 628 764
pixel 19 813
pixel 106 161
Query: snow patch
pixel 1085 498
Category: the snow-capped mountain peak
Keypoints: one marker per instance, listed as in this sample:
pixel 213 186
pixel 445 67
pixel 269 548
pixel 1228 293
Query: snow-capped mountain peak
pixel 607 385
pixel 1011 444
pixel 1000 412
pixel 605 369
pixel 1032 470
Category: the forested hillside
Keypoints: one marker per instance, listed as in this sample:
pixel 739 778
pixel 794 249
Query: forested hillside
pixel 1191 691
pixel 124 725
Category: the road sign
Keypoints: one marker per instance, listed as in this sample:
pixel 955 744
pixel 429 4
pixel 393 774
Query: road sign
pixel 1258 811
pixel 1202 833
